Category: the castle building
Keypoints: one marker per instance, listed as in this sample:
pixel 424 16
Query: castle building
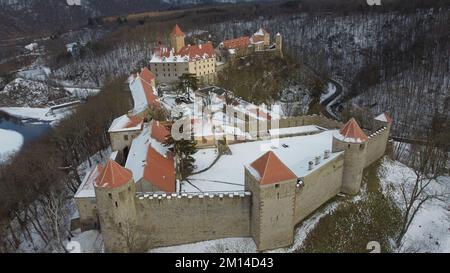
pixel 265 199
pixel 245 45
pixel 169 63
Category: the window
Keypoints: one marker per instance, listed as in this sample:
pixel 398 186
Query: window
pixel 277 185
pixel 116 204
pixel 361 147
pixel 110 195
pixel 125 137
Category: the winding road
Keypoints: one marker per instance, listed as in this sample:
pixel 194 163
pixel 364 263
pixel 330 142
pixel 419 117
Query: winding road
pixel 330 103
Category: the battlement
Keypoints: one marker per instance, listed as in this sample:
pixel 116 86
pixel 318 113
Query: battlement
pixel 377 133
pixel 312 119
pixel 191 195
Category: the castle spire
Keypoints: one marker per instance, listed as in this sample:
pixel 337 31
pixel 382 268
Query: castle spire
pixel 352 132
pixel 113 175
pixel 271 170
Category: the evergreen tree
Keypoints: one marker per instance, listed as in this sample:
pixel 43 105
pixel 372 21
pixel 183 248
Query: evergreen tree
pixel 183 149
pixel 188 82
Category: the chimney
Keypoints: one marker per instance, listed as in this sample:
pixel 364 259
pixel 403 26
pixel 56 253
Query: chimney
pixel 326 154
pixel 130 113
pixel 310 165
pixel 317 160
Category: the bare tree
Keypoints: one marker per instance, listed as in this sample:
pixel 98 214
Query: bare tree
pixel 428 163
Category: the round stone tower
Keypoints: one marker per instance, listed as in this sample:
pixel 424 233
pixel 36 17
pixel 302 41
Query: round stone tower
pixel 177 39
pixel 353 141
pixel 115 192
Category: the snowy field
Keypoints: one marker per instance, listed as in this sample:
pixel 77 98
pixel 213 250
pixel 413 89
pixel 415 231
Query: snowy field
pixel 227 174
pixel 10 142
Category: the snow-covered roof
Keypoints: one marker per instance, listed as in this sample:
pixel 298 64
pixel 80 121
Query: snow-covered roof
pixel 292 131
pixel 351 132
pixel 86 189
pixel 384 117
pixel 137 156
pixel 143 94
pixel 187 53
pixel 126 123
pixel 227 174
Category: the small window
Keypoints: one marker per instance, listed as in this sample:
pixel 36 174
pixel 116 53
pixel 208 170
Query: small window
pixel 116 204
pixel 277 185
pixel 361 147
pixel 110 195
pixel 125 137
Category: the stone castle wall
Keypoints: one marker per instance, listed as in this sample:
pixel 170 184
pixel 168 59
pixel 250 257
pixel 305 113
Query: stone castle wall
pixel 171 219
pixel 318 187
pixel 376 145
pixel 310 120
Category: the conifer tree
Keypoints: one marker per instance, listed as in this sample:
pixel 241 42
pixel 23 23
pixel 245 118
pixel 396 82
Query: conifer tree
pixel 183 149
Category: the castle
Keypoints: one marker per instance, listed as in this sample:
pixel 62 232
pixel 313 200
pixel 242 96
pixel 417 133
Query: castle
pixel 277 171
pixel 169 63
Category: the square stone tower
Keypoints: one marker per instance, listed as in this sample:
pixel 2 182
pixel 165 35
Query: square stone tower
pixel 273 196
pixel 177 39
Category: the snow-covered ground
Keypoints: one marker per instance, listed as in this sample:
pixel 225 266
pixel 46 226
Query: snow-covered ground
pixel 37 114
pixel 90 241
pixel 10 142
pixel 430 229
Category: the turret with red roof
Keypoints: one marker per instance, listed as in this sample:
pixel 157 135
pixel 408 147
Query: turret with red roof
pixel 272 185
pixel 352 140
pixel 115 192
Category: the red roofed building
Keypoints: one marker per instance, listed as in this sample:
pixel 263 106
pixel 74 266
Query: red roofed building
pixel 159 131
pixel 351 132
pixel 147 76
pixel 152 99
pixel 237 43
pixel 113 176
pixel 197 52
pixel 168 64
pixel 269 169
pixel 160 170
pixel 176 31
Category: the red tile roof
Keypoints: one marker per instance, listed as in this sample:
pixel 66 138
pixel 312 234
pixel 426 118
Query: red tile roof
pixel 352 130
pixel 257 39
pixel 113 175
pixel 176 31
pixel 151 98
pixel 134 121
pixel 160 170
pixel 197 51
pixel 159 131
pixel 147 75
pixel 271 169
pixel 238 43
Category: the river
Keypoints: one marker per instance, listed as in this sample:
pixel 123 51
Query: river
pixel 30 130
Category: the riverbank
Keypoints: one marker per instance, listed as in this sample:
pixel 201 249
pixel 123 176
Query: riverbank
pixel 11 142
